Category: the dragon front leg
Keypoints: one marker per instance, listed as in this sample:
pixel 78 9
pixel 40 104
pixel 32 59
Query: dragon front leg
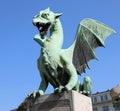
pixel 41 89
pixel 70 69
pixel 73 76
pixel 43 85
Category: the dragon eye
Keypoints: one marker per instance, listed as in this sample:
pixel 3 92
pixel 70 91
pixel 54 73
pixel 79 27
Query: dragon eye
pixel 44 15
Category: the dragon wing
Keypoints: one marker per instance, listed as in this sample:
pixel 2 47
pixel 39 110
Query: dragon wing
pixel 90 35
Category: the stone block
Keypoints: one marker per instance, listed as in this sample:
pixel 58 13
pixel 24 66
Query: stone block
pixel 67 101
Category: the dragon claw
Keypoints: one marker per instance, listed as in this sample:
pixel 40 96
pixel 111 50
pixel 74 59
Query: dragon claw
pixel 34 94
pixel 60 89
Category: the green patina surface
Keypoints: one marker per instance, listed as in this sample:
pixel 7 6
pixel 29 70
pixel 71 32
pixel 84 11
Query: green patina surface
pixel 61 67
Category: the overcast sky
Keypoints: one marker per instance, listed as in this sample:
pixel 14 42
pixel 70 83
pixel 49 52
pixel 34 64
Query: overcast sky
pixel 19 52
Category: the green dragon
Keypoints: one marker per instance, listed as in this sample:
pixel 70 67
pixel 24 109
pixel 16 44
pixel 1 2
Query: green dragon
pixel 61 67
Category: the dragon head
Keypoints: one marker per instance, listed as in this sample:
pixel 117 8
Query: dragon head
pixel 44 21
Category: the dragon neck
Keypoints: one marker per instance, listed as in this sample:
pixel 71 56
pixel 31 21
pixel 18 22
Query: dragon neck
pixel 56 33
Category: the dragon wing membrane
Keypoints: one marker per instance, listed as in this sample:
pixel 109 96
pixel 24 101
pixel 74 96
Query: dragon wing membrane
pixel 90 35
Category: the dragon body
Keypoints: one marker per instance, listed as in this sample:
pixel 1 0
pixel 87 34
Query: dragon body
pixel 61 67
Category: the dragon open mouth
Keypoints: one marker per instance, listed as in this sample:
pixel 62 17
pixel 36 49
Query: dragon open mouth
pixel 43 28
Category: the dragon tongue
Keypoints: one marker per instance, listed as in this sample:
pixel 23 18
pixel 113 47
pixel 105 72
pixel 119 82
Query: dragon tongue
pixel 42 34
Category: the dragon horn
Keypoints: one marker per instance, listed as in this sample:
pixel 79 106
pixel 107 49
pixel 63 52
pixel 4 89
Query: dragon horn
pixel 57 15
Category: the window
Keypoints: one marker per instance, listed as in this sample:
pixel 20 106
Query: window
pixel 95 109
pixel 105 108
pixel 104 98
pixel 94 99
pixel 117 108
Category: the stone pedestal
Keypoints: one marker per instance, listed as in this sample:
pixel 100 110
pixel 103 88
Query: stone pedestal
pixel 67 101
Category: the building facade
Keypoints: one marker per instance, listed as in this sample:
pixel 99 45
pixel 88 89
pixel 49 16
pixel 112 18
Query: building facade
pixel 102 101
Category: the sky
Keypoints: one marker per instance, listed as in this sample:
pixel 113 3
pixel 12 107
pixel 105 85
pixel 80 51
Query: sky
pixel 19 52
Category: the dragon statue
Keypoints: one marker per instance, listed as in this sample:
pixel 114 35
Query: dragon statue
pixel 61 67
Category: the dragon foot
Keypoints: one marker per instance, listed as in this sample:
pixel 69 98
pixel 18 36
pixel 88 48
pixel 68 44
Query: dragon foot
pixel 35 94
pixel 87 93
pixel 60 89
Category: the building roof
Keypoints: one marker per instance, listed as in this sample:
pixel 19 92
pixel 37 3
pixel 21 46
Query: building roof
pixel 101 92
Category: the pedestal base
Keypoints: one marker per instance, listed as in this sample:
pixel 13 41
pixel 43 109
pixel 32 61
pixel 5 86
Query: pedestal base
pixel 71 101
